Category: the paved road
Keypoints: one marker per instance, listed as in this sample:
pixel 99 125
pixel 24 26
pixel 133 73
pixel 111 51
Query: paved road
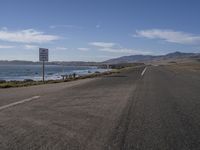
pixel 159 110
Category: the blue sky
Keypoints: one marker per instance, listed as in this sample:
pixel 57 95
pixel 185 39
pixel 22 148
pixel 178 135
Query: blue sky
pixel 97 30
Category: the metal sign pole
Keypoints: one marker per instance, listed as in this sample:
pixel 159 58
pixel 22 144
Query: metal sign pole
pixel 43 71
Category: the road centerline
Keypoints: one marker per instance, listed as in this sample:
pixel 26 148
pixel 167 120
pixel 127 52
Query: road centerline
pixel 143 72
pixel 19 102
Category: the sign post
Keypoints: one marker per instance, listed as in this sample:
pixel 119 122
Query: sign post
pixel 43 56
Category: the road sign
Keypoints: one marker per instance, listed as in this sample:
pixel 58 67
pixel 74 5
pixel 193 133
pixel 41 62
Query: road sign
pixel 43 54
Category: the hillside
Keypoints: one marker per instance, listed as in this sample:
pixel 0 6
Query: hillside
pixel 120 60
pixel 144 58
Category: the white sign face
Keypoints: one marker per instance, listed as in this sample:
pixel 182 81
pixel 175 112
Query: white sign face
pixel 44 54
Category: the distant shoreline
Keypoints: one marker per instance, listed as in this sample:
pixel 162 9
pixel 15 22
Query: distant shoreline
pixel 70 63
pixel 16 72
pixel 14 84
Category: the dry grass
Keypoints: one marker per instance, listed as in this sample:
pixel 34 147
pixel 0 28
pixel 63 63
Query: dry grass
pixel 192 66
pixel 10 84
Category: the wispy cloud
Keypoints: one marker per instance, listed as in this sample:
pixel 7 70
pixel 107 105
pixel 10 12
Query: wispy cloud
pixel 65 26
pixel 98 26
pixel 61 48
pixel 102 44
pixel 125 51
pixel 4 28
pixel 83 49
pixel 116 48
pixel 169 36
pixel 6 46
pixel 27 36
pixel 31 47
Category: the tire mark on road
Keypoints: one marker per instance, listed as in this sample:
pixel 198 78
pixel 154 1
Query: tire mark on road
pixel 117 139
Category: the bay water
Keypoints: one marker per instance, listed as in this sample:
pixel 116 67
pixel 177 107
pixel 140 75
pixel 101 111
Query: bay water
pixel 34 72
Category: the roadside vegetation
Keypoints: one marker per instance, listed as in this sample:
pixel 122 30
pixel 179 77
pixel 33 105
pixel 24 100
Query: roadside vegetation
pixel 193 66
pixel 10 84
pixel 115 69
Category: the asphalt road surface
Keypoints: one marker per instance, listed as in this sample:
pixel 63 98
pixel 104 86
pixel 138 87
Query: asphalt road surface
pixel 152 109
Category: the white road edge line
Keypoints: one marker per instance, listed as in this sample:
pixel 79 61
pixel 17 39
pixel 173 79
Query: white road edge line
pixel 19 102
pixel 143 71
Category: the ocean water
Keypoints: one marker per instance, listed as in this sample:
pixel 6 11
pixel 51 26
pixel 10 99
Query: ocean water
pixel 34 72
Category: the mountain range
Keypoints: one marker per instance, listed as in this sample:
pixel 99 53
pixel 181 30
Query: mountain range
pixel 123 59
pixel 148 58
